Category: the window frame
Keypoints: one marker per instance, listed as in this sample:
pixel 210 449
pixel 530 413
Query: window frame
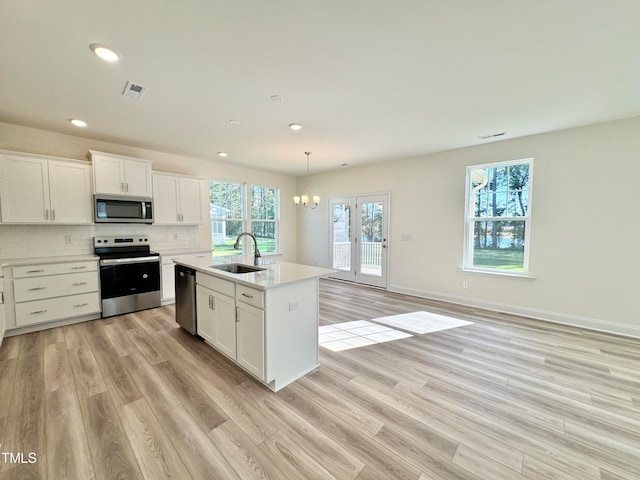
pixel 470 220
pixel 275 220
pixel 247 217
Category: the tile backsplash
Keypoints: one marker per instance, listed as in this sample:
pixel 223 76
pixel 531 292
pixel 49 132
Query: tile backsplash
pixel 28 241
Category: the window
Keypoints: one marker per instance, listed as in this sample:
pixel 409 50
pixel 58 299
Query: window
pixel 497 217
pixel 264 217
pixel 236 208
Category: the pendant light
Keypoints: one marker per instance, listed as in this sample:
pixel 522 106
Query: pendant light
pixel 304 200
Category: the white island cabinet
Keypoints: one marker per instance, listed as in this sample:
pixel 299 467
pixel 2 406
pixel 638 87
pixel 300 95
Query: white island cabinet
pixel 265 321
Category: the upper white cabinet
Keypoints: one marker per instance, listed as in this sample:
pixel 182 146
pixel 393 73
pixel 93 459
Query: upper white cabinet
pixel 177 199
pixel 38 189
pixel 118 175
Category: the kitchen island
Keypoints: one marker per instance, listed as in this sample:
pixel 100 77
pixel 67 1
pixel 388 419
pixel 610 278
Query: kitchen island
pixel 265 321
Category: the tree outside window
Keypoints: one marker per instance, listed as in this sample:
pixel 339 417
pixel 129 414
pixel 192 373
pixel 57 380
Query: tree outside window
pixel 498 216
pixel 237 208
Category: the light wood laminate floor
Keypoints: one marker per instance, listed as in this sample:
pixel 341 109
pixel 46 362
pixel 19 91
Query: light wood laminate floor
pixel 505 398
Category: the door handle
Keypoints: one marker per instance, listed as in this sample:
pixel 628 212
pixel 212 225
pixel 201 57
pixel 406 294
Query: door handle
pixel 36 288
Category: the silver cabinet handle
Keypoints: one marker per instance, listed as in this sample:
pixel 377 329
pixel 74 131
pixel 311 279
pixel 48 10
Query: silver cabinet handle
pixel 36 312
pixel 36 288
pixel 213 303
pixel 247 295
pixel 237 314
pixel 78 305
pixel 126 187
pixel 122 187
pixel 53 214
pixel 78 283
pixel 78 268
pixel 46 214
pixel 35 271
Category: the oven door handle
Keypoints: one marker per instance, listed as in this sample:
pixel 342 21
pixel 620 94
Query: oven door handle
pixel 120 261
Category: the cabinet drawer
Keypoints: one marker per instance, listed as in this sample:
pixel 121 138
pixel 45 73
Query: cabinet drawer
pixel 250 295
pixel 54 269
pixel 40 311
pixel 27 289
pixel 218 284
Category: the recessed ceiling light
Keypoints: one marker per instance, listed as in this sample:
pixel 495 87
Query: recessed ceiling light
pixel 105 53
pixel 235 123
pixel 295 126
pixel 275 98
pixel 77 122
pixel 222 154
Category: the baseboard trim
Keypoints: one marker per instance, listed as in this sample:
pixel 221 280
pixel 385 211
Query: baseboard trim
pixel 547 316
pixel 47 325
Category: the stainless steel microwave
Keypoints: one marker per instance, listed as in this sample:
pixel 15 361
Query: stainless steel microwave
pixel 119 209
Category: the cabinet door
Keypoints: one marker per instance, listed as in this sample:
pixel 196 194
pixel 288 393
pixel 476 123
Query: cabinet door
pixel 70 191
pixel 108 175
pixel 165 200
pixel 205 317
pixel 24 190
pixel 137 178
pixel 168 282
pixel 191 200
pixel 251 339
pixel 224 313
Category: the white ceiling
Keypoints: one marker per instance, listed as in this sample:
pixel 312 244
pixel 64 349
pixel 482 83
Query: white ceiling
pixel 370 80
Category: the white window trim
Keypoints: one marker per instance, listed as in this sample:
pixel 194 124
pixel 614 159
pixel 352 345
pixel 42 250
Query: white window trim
pixel 276 220
pixel 467 258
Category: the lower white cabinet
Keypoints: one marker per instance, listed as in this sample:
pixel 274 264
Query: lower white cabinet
pixel 250 334
pixel 55 291
pixel 168 279
pixel 231 325
pixel 217 319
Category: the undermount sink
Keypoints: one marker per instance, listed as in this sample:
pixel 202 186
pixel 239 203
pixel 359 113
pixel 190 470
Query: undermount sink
pixel 237 268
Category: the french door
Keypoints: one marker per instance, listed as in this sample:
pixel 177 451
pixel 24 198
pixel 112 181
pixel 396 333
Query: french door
pixel 359 232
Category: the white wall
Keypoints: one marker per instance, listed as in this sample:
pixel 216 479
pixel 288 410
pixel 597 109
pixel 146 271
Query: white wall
pixel 584 229
pixel 24 241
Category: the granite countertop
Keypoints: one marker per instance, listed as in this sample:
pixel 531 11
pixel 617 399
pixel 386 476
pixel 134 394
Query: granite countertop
pixel 275 273
pixel 13 262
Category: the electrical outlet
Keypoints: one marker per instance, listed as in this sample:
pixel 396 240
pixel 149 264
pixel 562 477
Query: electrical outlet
pixel 294 305
pixel 68 240
pixel 465 284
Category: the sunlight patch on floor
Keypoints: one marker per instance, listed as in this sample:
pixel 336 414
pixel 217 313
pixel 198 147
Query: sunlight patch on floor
pixel 359 333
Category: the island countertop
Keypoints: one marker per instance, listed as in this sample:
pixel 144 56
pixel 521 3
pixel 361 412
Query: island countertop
pixel 275 273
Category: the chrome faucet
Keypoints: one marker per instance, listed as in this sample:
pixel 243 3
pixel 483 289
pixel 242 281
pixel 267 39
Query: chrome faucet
pixel 256 252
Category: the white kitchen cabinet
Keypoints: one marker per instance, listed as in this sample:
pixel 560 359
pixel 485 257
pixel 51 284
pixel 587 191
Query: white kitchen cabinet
pixel 3 320
pixel 118 175
pixel 177 199
pixel 216 313
pixel 276 317
pixel 250 339
pixel 168 267
pixel 55 291
pixel 38 189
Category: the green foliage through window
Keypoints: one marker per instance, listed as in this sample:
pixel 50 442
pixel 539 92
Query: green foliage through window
pixel 498 212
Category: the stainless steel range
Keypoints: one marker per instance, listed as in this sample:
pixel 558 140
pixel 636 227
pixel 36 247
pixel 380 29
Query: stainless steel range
pixel 129 274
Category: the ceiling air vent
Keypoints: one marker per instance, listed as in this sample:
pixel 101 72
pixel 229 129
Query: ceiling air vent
pixel 134 90
pixel 492 135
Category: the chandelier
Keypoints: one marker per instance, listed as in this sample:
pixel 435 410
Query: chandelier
pixel 304 199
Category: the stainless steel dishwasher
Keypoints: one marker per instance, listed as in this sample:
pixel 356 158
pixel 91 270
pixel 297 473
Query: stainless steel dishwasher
pixel 186 298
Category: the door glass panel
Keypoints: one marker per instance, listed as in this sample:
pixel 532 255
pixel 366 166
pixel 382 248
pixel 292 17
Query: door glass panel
pixel 371 222
pixel 342 236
